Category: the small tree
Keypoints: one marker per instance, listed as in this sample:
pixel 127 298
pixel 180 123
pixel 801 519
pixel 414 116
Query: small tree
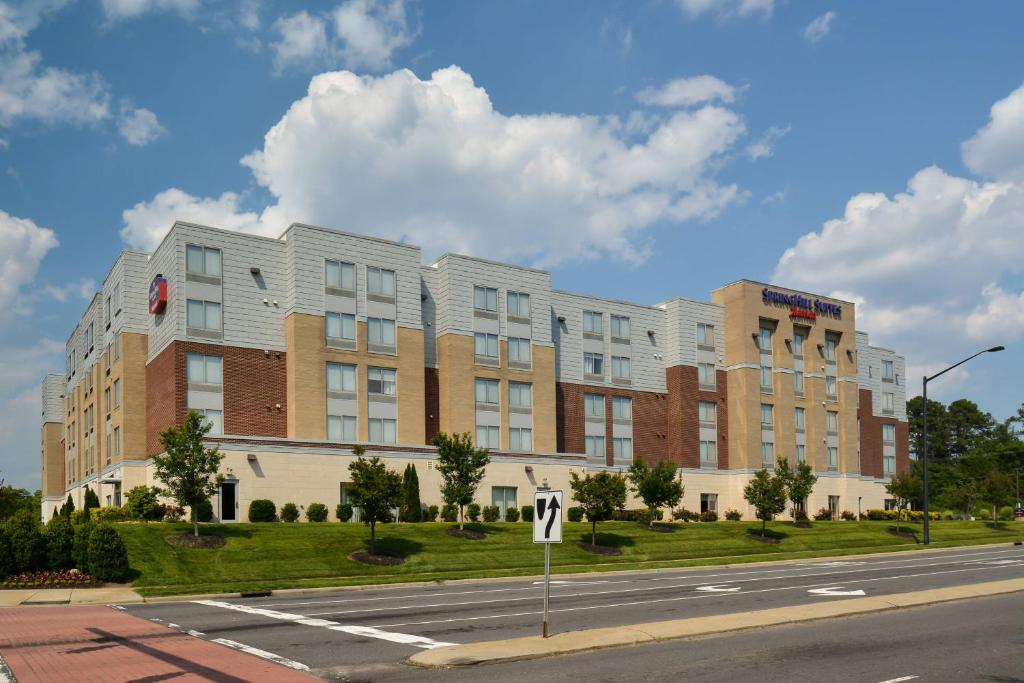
pixel 998 487
pixel 143 502
pixel 904 488
pixel 799 483
pixel 411 508
pixel 767 494
pixel 187 469
pixel 599 496
pixel 657 487
pixel 375 490
pixel 60 538
pixel 461 466
pixel 90 500
pixel 67 508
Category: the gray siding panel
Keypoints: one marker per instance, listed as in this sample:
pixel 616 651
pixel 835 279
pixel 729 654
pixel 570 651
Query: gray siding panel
pixel 53 398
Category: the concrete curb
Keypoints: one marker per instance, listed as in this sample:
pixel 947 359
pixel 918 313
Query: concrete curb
pixel 534 647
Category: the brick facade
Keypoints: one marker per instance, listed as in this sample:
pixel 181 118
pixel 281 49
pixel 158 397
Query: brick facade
pixel 649 417
pixel 871 459
pixel 432 403
pixel 255 391
pixel 684 396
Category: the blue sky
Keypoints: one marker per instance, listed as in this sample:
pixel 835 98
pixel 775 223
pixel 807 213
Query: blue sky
pixel 639 150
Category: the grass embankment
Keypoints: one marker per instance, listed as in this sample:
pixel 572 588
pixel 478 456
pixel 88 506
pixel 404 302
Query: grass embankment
pixel 276 555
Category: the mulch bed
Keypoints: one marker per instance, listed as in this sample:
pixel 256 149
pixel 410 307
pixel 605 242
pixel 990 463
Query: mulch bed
pixel 599 549
pixel 661 527
pixel 377 559
pixel 903 534
pixel 468 534
pixel 764 539
pixel 203 542
pixel 65 578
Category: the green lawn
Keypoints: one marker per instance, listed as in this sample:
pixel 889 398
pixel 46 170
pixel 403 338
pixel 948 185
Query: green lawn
pixel 276 555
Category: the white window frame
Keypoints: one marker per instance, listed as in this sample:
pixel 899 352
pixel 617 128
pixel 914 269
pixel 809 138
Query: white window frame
pixel 517 304
pixel 622 408
pixel 388 429
pixel 343 270
pixel 593 322
pixel 485 298
pixel 488 436
pixel 620 446
pixel 381 331
pixel 208 361
pixel 205 252
pixel 344 322
pixel 385 378
pixel 518 347
pixel 486 391
pixel 621 367
pixel 707 411
pixel 595 446
pixel 620 326
pixel 520 439
pixel 706 335
pixel 593 360
pixel 591 401
pixel 520 394
pixel 346 375
pixel 710 372
pixel 486 342
pixel 381 282
pixel 767 415
pixel 207 307
pixel 342 428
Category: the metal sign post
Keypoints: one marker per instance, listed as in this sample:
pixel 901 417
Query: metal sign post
pixel 547 529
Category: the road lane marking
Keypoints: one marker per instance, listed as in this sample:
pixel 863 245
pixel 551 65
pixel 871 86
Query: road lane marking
pixel 676 599
pixel 899 680
pixel 834 591
pixel 367 631
pixel 718 589
pixel 270 656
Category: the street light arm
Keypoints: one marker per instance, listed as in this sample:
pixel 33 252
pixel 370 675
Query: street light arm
pixel 939 374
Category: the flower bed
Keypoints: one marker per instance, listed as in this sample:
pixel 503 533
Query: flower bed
pixel 68 578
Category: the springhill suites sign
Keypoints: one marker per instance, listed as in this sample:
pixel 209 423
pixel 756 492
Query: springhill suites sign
pixel 801 306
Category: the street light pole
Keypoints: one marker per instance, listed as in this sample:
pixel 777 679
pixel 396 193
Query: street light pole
pixel 924 461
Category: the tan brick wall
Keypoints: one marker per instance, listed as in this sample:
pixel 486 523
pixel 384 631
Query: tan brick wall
pixel 52 452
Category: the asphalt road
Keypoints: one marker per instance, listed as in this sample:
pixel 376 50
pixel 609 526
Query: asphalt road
pixel 366 634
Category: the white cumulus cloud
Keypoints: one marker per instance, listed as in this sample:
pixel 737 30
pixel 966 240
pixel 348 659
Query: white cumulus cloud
pixel 727 9
pixel 116 10
pixel 146 223
pixel 139 126
pixel 764 146
pixel 23 244
pixel 686 92
pixel 997 149
pixel 819 27
pixel 303 37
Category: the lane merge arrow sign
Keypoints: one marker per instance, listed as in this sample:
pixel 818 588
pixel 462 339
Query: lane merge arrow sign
pixel 834 591
pixel 547 517
pixel 718 589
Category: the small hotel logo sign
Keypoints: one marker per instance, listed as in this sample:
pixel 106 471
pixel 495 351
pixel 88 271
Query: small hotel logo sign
pixel 158 295
pixel 801 306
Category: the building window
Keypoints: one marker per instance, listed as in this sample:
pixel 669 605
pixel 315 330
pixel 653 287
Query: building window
pixel 117 394
pixel 488 437
pixel 593 405
pixel 799 337
pixel 380 331
pixel 520 439
pixel 801 453
pixel 832 422
pixel 341 378
pixel 203 369
pixel 595 447
pixel 830 387
pixel 622 449
pixel 215 418
pixel 622 408
pixel 503 497
pixel 520 395
pixel 798 418
pixel 202 260
pixel 485 299
pixel 706 335
pixel 117 441
pixel 339 275
pixel 518 304
pixel 889 433
pixel 380 282
pixel 830 348
pixel 108 315
pixel 798 382
pixel 487 391
pixel 709 454
pixel 485 345
pixel 766 415
pixel 889 465
pixel 708 412
pixel 620 367
pixel 116 298
pixel 117 346
pixel 343 326
pixel 381 381
pixel 383 430
pixel 764 339
pixel 203 315
pixel 887 402
pixel 767 454
pixel 709 502
pixel 341 427
pixel 106 402
pixel 833 506
pixel 833 458
pixel 89 338
pixel 888 374
pixel 592 322
pixel 518 350
pixel 706 375
pixel 593 363
pixel 766 377
pixel 620 326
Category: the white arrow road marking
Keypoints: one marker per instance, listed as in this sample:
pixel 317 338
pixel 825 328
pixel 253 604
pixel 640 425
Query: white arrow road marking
pixel 899 680
pixel 835 591
pixel 718 589
pixel 368 631
pixel 270 656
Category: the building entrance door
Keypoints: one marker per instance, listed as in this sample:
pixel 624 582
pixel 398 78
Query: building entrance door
pixel 229 501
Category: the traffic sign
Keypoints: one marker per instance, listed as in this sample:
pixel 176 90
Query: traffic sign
pixel 547 517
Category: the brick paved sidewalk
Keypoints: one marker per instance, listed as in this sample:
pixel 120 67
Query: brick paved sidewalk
pixel 104 644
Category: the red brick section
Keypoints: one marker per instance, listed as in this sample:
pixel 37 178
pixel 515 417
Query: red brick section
pixel 871 459
pixel 683 426
pixel 432 403
pixel 649 408
pixel 255 391
pixel 48 644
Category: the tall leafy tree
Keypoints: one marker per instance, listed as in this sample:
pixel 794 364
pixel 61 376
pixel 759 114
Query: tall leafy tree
pixel 599 496
pixel 799 482
pixel 658 486
pixel 461 466
pixel 767 494
pixel 968 427
pixel 905 488
pixel 411 508
pixel 998 489
pixel 187 469
pixel 938 428
pixel 375 490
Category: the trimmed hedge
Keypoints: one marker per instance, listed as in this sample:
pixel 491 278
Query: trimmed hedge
pixel 683 515
pixel 492 513
pixel 512 514
pixel 143 502
pixel 575 514
pixel 527 511
pixel 344 512
pixel 204 511
pixel 112 514
pixel 430 515
pixel 636 515
pixel 28 545
pixel 709 516
pixel 473 512
pixel 733 515
pixel 316 512
pixel 450 513
pixel 60 542
pixel 289 513
pixel 6 558
pixel 108 559
pixel 80 545
pixel 262 510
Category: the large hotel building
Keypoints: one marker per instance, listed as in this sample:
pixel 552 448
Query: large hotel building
pixel 300 347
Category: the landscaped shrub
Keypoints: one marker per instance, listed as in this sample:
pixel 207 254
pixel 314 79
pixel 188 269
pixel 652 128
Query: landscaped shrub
pixel 450 513
pixel 636 515
pixel 528 513
pixel 80 546
pixel 289 512
pixel 823 514
pixel 204 511
pixel 1006 513
pixel 431 514
pixel 492 513
pixel 709 516
pixel 143 502
pixel 112 513
pixel 262 510
pixel 6 560
pixel 879 515
pixel 79 516
pixel 28 545
pixel 90 499
pixel 108 559
pixel 173 513
pixel 683 515
pixel 733 515
pixel 473 512
pixel 60 541
pixel 316 512
pixel 344 512
pixel 848 516
pixel 575 514
pixel 512 514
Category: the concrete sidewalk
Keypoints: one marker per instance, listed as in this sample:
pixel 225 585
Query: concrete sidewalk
pixel 67 596
pixel 534 647
pixel 106 644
